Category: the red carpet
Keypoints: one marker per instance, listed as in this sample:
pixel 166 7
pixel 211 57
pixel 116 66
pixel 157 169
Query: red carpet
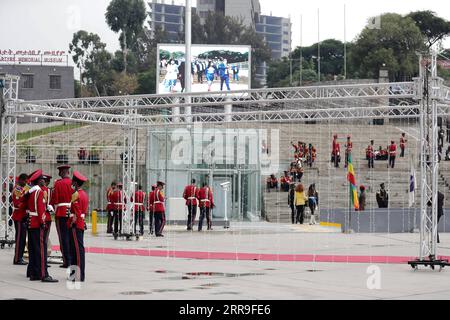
pixel 250 256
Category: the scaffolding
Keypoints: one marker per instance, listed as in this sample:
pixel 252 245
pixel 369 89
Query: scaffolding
pixel 425 99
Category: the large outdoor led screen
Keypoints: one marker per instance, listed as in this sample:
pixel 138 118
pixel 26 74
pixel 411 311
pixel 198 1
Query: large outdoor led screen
pixel 214 68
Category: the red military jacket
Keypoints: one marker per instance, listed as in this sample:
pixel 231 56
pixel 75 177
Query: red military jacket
pixel 285 179
pixel 158 203
pixel 336 147
pixel 349 146
pixel 205 196
pixel 79 208
pixel 150 201
pixel 116 200
pixel 369 152
pixel 19 203
pixel 393 150
pixel 109 206
pixel 47 197
pixel 402 142
pixel 36 209
pixel 62 196
pixel 190 195
pixel 139 200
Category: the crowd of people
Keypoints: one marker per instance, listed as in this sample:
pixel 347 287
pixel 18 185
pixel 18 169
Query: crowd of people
pixel 34 205
pixel 207 71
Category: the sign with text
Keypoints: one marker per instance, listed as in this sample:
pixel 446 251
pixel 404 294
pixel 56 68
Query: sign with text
pixel 33 57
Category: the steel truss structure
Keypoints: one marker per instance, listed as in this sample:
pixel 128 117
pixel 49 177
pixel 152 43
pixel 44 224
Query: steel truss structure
pixel 429 99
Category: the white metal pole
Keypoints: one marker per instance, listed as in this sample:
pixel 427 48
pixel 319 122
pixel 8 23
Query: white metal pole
pixel 188 56
pixel 301 49
pixel 345 42
pixel 318 44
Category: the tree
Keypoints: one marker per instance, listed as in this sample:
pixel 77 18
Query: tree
pixel 90 56
pixel 392 46
pixel 433 28
pixel 126 17
pixel 124 84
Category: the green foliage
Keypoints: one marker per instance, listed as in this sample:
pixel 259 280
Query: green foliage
pixel 22 136
pixel 393 46
pixel 433 28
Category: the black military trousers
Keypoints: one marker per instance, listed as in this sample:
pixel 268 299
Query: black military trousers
pixel 204 212
pixel 192 213
pixel 151 218
pixel 63 235
pixel 117 218
pixel 37 252
pixel 160 222
pixel 21 239
pixel 139 221
pixel 78 253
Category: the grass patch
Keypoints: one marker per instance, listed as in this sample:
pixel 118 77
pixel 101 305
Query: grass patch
pixel 44 131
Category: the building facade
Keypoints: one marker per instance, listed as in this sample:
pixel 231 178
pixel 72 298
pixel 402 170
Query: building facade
pixel 246 10
pixel 42 82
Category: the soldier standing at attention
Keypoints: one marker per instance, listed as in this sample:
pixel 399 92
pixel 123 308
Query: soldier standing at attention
pixel 118 206
pixel 60 201
pixel 110 206
pixel 19 217
pixel 77 225
pixel 37 251
pixel 150 201
pixel 403 142
pixel 370 152
pixel 348 150
pixel 139 210
pixel 190 195
pixel 159 209
pixel 206 199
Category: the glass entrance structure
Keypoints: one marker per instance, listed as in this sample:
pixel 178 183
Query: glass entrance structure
pixel 212 155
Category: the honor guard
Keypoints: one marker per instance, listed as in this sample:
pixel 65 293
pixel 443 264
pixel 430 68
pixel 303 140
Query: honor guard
pixel 19 217
pixel 336 152
pixel 60 201
pixel 159 209
pixel 370 154
pixel 403 142
pixel 118 206
pixel 139 210
pixel 206 199
pixel 109 206
pixel 77 224
pixel 37 251
pixel 151 213
pixel 190 195
pixel 48 213
pixel 392 154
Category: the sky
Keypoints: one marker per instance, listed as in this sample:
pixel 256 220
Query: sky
pixel 50 24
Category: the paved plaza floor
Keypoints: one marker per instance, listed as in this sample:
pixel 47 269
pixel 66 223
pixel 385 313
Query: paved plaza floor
pixel 247 261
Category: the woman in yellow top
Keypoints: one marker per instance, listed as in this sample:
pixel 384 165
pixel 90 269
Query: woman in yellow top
pixel 300 200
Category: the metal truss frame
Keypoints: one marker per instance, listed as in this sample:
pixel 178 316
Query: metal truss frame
pixel 8 154
pixel 318 103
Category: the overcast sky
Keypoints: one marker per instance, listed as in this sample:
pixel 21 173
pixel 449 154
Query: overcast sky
pixel 49 24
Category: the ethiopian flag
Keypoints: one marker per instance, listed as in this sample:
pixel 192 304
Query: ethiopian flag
pixel 352 180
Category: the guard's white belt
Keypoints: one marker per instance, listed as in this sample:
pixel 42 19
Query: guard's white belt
pixel 158 202
pixel 118 203
pixel 192 198
pixel 33 214
pixel 204 200
pixel 138 204
pixel 63 205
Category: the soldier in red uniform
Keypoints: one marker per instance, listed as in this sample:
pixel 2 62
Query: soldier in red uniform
pixel 205 196
pixel 109 207
pixel 50 210
pixel 19 217
pixel 348 150
pixel 60 201
pixel 139 210
pixel 285 181
pixel 336 152
pixel 392 154
pixel 150 201
pixel 159 209
pixel 77 225
pixel 37 251
pixel 403 142
pixel 190 195
pixel 118 206
pixel 370 154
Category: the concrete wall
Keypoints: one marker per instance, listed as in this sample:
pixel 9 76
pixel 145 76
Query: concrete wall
pixel 382 220
pixel 41 90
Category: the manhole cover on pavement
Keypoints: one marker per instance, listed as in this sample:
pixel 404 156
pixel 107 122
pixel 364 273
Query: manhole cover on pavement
pixel 134 293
